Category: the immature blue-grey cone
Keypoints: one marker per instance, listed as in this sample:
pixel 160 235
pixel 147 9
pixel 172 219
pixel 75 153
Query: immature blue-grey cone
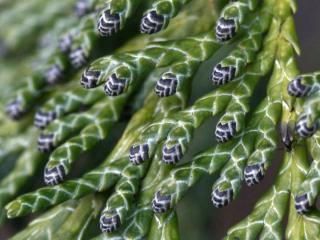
pixel 151 23
pixel 43 119
pixel 90 78
pixel 65 43
pixel 172 155
pixel 109 222
pixel 167 85
pixel 115 86
pixel 225 131
pixel 53 74
pixel 221 198
pixel 108 24
pixel 139 153
pixel 297 89
pixel 14 110
pixel 253 174
pixel 222 75
pixel 78 57
pixel 45 142
pixel 302 204
pixel 54 176
pixel 161 203
pixel 82 7
pixel 225 29
pixel 302 128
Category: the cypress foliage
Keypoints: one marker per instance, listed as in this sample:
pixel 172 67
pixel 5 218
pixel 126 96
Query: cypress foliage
pixel 92 66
